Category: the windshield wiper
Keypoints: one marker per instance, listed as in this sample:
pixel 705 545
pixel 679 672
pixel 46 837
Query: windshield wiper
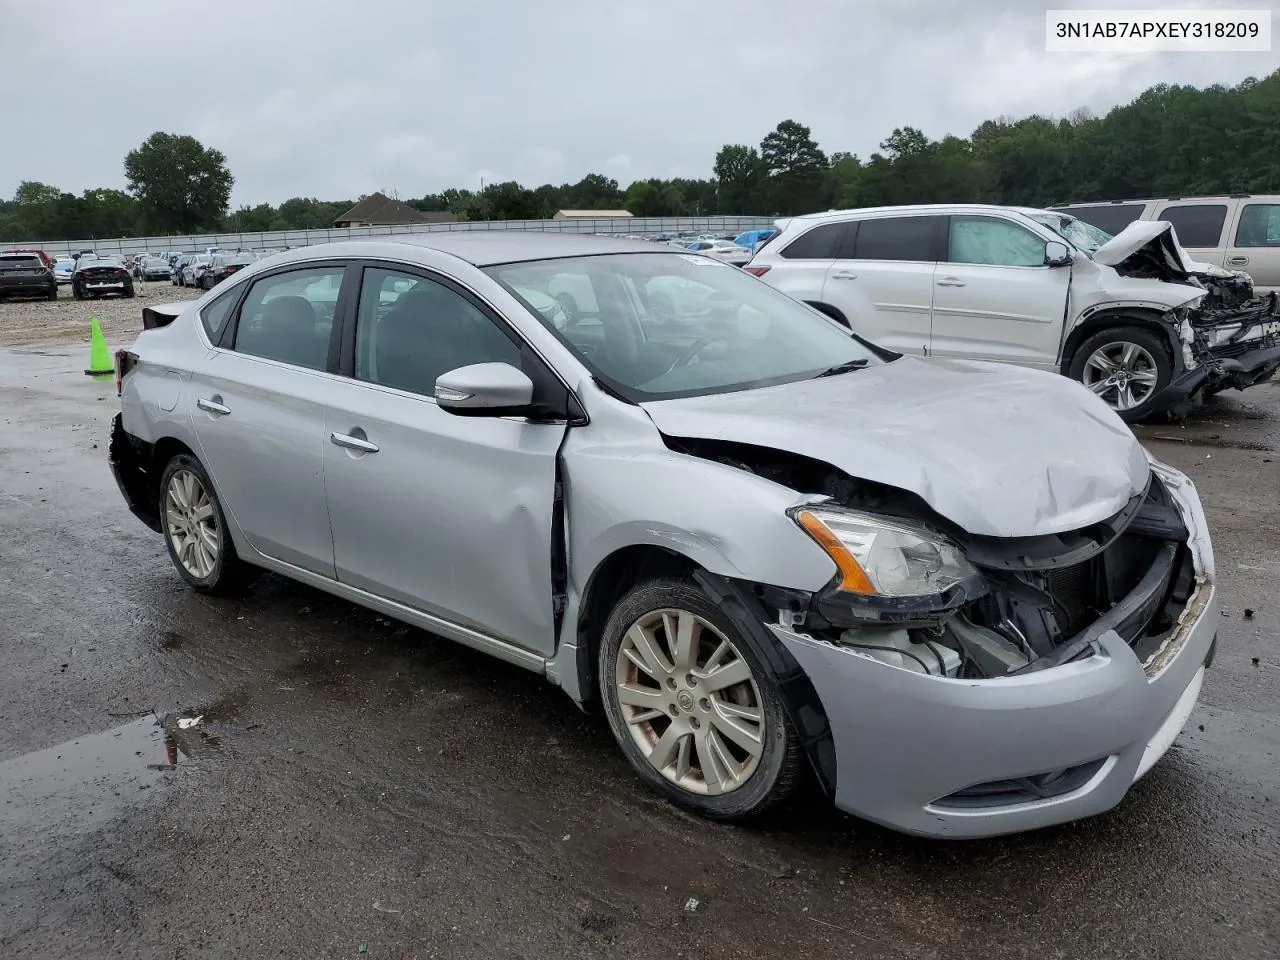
pixel 844 367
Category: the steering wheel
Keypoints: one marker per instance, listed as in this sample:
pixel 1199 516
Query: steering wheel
pixel 699 345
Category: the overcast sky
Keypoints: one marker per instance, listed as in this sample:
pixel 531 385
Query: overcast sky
pixel 335 98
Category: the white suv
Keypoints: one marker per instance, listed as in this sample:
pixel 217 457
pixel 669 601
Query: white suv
pixel 1131 317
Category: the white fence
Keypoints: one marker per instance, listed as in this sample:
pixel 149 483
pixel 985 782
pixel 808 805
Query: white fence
pixel 277 239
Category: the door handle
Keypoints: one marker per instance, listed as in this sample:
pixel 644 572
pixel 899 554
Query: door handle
pixel 1238 261
pixel 843 275
pixel 213 406
pixel 951 282
pixel 353 443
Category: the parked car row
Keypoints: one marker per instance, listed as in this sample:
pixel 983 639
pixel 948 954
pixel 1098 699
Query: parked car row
pixel 960 594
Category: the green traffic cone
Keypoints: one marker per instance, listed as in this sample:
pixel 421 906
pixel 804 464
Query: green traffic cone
pixel 101 366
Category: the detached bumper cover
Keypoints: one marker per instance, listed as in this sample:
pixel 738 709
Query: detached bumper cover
pixel 128 466
pixel 972 758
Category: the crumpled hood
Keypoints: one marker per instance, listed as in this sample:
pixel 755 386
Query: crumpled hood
pixel 999 450
pixel 1156 237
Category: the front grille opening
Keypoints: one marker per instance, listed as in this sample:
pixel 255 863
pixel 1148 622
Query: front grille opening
pixel 1008 793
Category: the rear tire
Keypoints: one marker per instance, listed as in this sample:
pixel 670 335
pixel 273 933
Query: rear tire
pixel 76 292
pixel 195 530
pixel 128 290
pixel 1127 367
pixel 672 720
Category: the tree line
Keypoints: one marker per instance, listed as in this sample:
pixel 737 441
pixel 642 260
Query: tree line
pixel 1171 140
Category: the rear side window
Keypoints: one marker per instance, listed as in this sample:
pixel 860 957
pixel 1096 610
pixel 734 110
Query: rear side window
pixel 896 238
pixel 990 240
pixel 216 314
pixel 820 243
pixel 289 317
pixel 1197 226
pixel 1112 218
pixel 1259 225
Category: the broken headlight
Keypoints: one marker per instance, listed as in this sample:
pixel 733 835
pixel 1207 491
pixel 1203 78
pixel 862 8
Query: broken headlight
pixel 881 557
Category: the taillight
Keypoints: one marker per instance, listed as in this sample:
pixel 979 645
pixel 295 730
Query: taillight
pixel 756 271
pixel 122 274
pixel 125 361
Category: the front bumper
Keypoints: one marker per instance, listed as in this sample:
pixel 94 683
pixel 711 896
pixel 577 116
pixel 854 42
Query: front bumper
pixel 926 754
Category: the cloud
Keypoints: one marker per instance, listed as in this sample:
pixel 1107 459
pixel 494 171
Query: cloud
pixel 330 99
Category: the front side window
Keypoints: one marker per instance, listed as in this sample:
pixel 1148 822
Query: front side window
pixel 896 238
pixel 289 317
pixel 410 330
pixel 1259 225
pixel 993 241
pixel 667 325
pixel 1199 225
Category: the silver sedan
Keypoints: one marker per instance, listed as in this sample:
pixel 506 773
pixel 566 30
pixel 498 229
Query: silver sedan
pixel 959 594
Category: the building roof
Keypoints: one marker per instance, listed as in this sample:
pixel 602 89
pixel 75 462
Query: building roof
pixel 482 248
pixel 590 214
pixel 380 210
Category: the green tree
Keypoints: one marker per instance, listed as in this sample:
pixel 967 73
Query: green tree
pixel 109 213
pixel 252 219
pixel 180 184
pixel 654 198
pixel 742 177
pixel 593 192
pixel 796 166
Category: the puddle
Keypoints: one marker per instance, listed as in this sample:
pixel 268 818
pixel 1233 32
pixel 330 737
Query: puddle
pixel 81 783
pixel 171 640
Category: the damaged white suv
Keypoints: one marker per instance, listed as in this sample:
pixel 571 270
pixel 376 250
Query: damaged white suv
pixel 1132 317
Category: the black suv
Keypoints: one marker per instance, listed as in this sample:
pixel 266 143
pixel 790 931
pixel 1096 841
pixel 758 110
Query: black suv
pixel 26 274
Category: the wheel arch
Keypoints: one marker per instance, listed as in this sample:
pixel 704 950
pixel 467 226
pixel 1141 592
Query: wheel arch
pixel 629 566
pixel 1115 317
pixel 608 583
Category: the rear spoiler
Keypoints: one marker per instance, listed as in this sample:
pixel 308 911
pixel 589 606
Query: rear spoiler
pixel 161 315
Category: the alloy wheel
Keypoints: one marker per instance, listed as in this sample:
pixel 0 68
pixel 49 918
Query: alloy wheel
pixel 192 524
pixel 1124 374
pixel 690 702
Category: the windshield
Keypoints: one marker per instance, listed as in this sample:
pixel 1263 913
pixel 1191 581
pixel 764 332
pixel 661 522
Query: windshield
pixel 664 325
pixel 1084 236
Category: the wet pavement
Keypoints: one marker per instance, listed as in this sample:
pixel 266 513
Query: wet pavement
pixel 290 775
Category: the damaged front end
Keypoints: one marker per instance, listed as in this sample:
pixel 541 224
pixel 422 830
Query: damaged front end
pixel 1006 682
pixel 915 590
pixel 1230 337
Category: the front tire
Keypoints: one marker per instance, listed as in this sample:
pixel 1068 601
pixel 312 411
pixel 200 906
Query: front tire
pixel 195 530
pixel 1127 367
pixel 691 705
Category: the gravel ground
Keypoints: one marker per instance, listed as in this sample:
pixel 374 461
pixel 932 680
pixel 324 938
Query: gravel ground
pixel 39 321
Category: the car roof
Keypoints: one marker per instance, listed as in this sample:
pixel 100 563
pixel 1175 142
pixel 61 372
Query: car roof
pixel 918 208
pixel 482 248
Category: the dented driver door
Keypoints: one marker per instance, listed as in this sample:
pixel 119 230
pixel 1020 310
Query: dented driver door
pixel 448 514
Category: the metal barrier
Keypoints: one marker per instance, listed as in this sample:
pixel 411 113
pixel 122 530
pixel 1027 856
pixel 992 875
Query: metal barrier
pixel 277 239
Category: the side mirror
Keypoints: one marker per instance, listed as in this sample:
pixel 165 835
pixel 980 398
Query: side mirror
pixel 484 390
pixel 1056 254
